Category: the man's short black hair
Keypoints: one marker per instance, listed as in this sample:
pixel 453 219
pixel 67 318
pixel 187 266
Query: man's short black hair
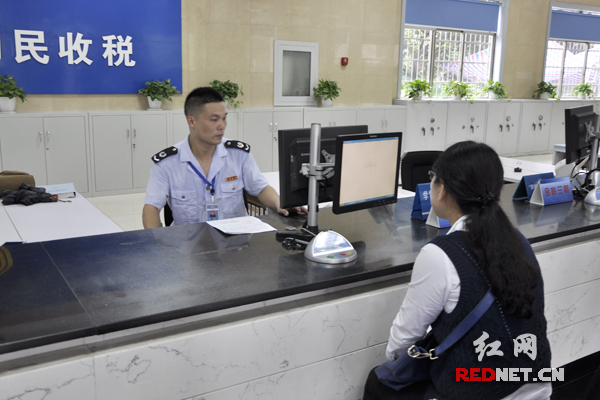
pixel 195 101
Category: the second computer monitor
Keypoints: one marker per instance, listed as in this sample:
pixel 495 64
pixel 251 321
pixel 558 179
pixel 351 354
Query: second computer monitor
pixel 366 171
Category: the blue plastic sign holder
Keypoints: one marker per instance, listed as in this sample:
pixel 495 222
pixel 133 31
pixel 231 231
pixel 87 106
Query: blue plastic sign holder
pixel 422 202
pixel 422 210
pixel 552 191
pixel 527 185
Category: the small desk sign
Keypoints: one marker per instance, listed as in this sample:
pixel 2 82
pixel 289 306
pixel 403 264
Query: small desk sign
pixel 62 190
pixel 422 210
pixel 527 185
pixel 552 191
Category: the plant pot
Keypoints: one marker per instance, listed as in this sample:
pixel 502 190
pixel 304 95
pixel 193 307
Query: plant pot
pixel 8 105
pixel 492 96
pixel 456 97
pixel 581 96
pixel 544 96
pixel 325 103
pixel 154 104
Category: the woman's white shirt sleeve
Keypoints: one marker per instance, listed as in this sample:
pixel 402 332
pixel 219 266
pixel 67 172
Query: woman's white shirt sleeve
pixel 434 286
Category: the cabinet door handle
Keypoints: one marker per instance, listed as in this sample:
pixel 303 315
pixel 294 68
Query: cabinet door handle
pixel 127 133
pixel 540 124
pixel 334 123
pixel 40 136
pixel 507 127
pixel 534 126
pixel 386 121
pixel 432 130
pixel 47 140
pixel 423 130
pixel 270 127
pixel 500 128
pixel 134 133
pixel 472 129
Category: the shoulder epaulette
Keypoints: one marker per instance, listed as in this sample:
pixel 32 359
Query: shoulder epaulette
pixel 236 144
pixel 169 151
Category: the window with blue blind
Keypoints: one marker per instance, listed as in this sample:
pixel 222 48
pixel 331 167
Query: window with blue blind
pixel 449 40
pixel 573 51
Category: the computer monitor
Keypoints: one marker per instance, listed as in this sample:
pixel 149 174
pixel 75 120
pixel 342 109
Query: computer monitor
pixel 366 171
pixel 576 146
pixel 294 150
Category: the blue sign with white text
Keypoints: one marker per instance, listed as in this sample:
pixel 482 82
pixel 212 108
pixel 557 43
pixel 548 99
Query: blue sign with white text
pixel 90 47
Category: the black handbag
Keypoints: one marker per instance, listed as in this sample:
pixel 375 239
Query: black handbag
pixel 414 365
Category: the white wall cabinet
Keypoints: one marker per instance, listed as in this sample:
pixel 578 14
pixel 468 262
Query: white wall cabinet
pixel 181 129
pixel 425 126
pixel 466 121
pixel 330 116
pixel 384 119
pixel 260 129
pixel 534 131
pixel 53 149
pixel 502 128
pixel 123 147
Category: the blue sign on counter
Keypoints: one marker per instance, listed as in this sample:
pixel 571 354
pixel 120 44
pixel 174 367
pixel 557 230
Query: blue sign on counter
pixel 527 185
pixel 552 191
pixel 90 47
pixel 422 210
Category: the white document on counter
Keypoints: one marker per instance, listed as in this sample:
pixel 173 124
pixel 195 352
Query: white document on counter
pixel 241 225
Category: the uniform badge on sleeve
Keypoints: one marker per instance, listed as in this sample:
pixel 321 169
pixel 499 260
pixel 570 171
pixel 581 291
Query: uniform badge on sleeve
pixel 236 144
pixel 164 154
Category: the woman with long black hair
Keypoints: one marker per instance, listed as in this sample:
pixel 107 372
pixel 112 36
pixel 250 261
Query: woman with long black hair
pixel 451 275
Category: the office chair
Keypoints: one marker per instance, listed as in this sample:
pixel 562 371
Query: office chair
pixel 415 166
pixel 168 213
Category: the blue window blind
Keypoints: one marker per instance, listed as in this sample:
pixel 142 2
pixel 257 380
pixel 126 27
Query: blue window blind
pixel 574 26
pixel 456 14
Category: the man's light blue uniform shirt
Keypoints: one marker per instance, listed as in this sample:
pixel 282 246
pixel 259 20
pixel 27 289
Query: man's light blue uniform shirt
pixel 174 181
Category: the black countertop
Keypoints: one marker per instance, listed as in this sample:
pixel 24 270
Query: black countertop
pixel 73 288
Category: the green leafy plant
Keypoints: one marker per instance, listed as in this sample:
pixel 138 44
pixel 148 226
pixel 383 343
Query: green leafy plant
pixel 9 88
pixel 584 89
pixel 230 91
pixel 545 87
pixel 159 90
pixel 495 87
pixel 458 89
pixel 326 90
pixel 416 89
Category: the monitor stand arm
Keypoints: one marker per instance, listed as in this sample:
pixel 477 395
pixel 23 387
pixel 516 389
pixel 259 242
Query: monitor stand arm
pixel 315 172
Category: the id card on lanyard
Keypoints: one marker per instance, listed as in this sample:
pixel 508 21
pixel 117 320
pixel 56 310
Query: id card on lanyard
pixel 212 208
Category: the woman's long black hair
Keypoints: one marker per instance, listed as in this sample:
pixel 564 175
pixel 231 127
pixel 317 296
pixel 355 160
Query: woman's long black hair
pixel 473 175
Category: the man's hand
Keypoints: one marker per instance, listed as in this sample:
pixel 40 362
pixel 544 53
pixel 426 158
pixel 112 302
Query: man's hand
pixel 294 210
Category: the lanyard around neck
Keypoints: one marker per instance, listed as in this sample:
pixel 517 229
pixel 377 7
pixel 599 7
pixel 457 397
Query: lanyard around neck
pixel 210 185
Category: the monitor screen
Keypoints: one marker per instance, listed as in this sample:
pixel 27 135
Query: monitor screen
pixel 366 171
pixel 575 131
pixel 294 150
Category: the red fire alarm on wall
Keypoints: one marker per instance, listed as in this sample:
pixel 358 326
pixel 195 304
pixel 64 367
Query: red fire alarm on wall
pixel 344 61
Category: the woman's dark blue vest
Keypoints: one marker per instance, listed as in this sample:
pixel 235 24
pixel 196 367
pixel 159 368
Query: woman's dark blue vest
pixel 497 325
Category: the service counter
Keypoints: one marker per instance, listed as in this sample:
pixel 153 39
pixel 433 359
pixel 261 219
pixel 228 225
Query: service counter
pixel 187 312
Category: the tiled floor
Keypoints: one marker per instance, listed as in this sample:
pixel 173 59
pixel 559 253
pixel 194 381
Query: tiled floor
pixel 126 210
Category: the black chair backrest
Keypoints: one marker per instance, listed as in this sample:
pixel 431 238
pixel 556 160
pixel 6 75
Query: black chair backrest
pixel 168 214
pixel 415 167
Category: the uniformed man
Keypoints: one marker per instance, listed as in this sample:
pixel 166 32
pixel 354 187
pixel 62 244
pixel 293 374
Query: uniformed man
pixel 203 177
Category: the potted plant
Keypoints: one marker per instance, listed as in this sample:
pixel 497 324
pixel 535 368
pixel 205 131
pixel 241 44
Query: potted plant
pixel 9 91
pixel 325 92
pixel 583 91
pixel 157 92
pixel 545 90
pixel 495 90
pixel 458 90
pixel 416 89
pixel 230 91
